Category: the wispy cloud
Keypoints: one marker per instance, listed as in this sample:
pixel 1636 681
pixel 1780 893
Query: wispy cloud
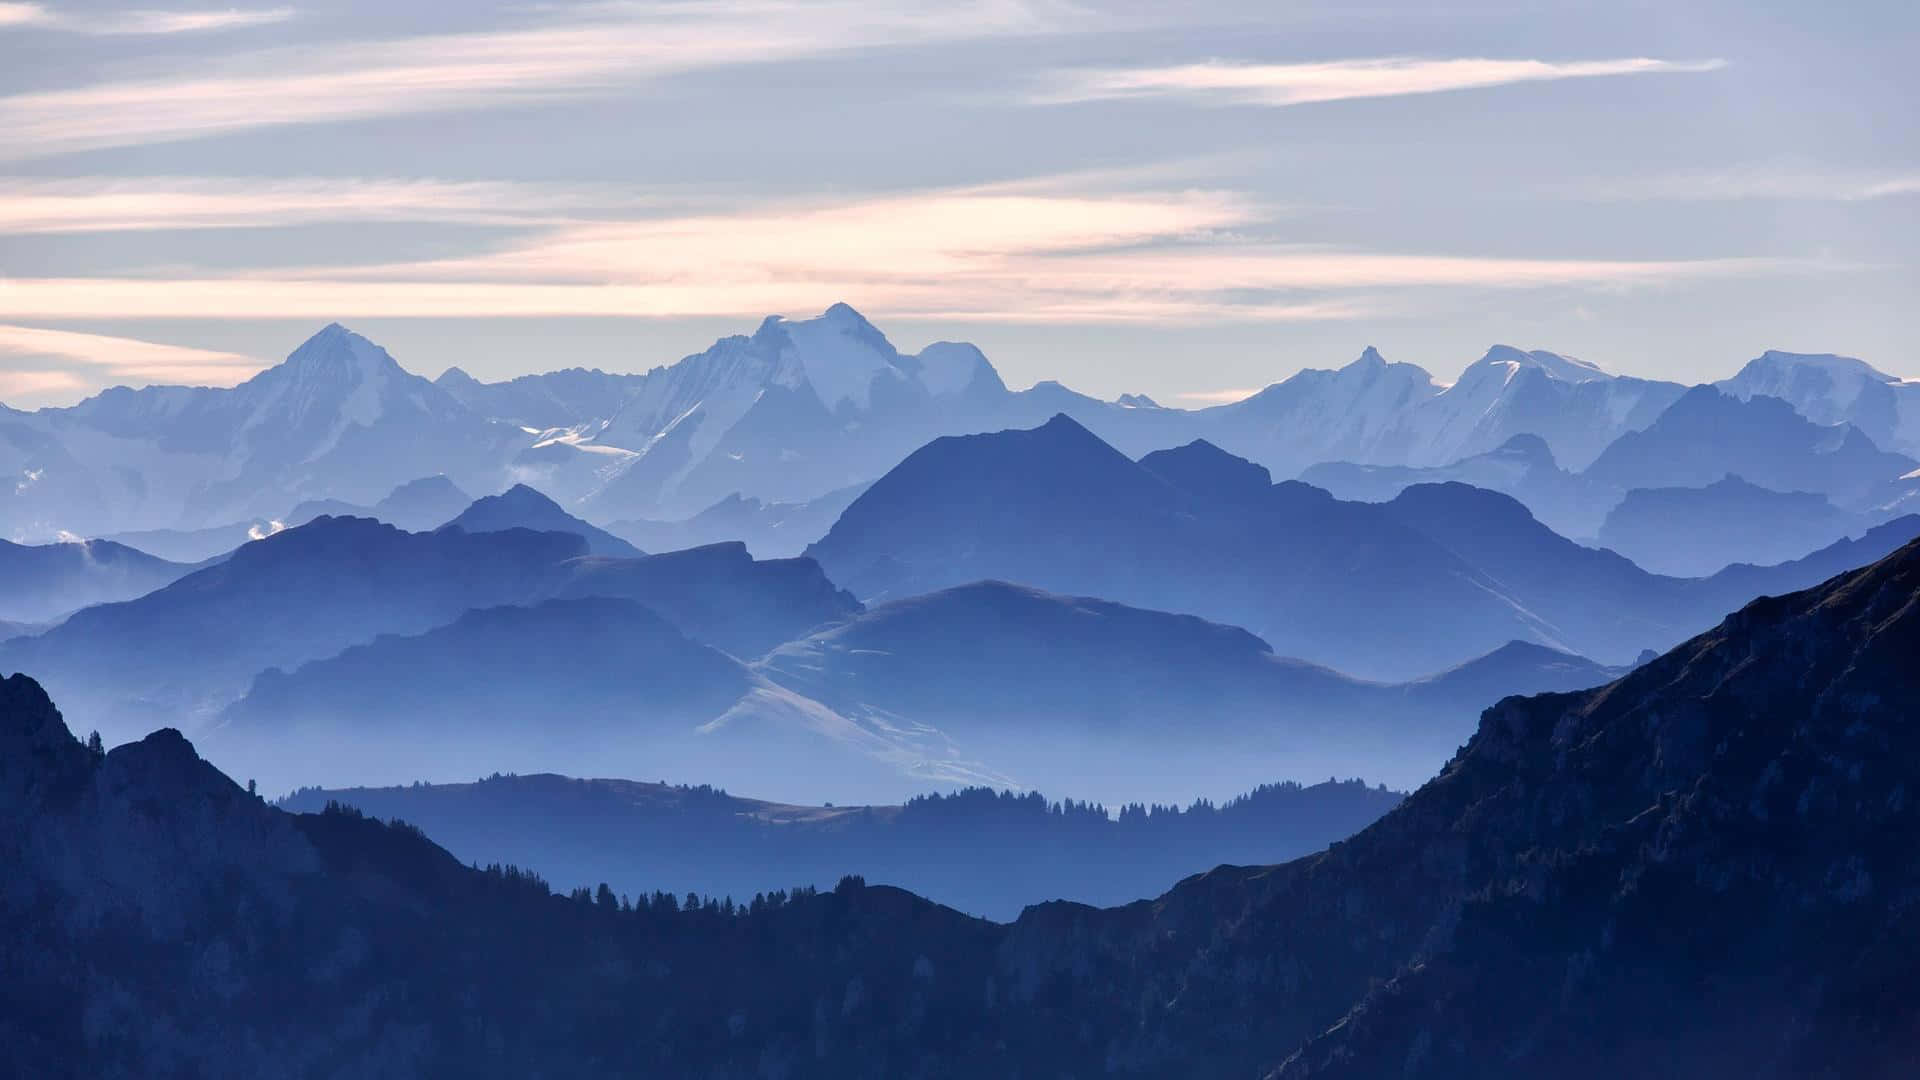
pixel 609 49
pixel 1015 252
pixel 140 21
pixel 103 204
pixel 68 360
pixel 1218 397
pixel 1757 181
pixel 1276 85
pixel 24 385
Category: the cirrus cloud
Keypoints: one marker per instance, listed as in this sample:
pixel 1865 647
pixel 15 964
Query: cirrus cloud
pixel 140 21
pixel 70 360
pixel 594 51
pixel 1276 85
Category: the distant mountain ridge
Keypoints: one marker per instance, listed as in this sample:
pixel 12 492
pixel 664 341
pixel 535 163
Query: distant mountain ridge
pixel 1392 591
pixel 45 581
pixel 1830 389
pixel 339 418
pixel 796 410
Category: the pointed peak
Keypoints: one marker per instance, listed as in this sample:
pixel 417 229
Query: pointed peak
pixel 1062 424
pixel 456 376
pixel 338 351
pixel 1369 357
pixel 526 495
pixel 843 312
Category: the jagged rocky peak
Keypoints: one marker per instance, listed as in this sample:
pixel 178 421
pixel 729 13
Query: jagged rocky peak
pixel 38 755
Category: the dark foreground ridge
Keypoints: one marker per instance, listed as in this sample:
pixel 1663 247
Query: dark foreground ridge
pixel 1703 869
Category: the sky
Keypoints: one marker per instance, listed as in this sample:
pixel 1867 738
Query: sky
pixel 1187 200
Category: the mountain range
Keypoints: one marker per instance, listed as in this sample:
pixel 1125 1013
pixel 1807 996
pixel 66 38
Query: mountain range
pixel 41 582
pixel 179 653
pixel 1699 868
pixel 800 410
pixel 1829 389
pixel 338 419
pixel 1391 591
pixel 1689 531
pixel 640 836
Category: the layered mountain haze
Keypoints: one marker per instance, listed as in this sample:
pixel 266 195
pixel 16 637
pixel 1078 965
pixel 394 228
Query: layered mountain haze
pixel 40 582
pixel 1111 702
pixel 1708 435
pixel 1713 838
pixel 558 684
pixel 1055 507
pixel 416 506
pixel 641 836
pixel 1698 531
pixel 1523 467
pixel 1393 591
pixel 771 530
pixel 719 594
pixel 180 653
pixel 521 507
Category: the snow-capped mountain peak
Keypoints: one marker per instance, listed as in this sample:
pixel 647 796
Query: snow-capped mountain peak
pixel 1831 389
pixel 945 368
pixel 1369 359
pixel 1564 368
pixel 838 352
pixel 337 353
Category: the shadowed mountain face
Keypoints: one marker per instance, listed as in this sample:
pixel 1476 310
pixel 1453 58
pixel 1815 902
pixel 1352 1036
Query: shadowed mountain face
pixel 1694 532
pixel 559 684
pixel 416 506
pixel 1438 575
pixel 1707 435
pixel 1829 389
pixel 720 594
pixel 646 836
pixel 1710 855
pixel 44 581
pixel 1522 467
pixel 1335 583
pixel 521 507
pixel 1112 702
pixel 770 530
pixel 306 593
